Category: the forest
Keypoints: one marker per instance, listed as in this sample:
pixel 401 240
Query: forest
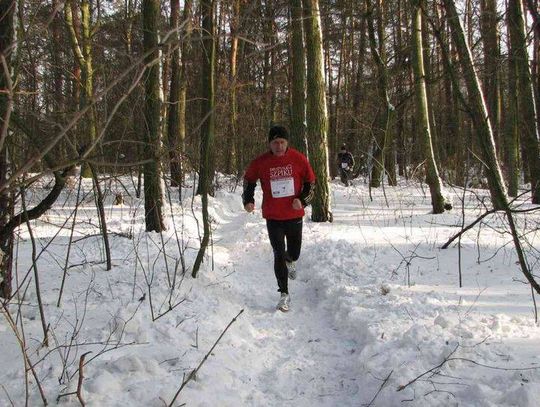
pixel 134 120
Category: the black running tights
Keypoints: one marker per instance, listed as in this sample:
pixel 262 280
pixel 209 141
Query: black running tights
pixel 281 232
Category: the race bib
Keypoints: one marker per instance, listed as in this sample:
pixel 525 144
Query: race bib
pixel 344 166
pixel 282 187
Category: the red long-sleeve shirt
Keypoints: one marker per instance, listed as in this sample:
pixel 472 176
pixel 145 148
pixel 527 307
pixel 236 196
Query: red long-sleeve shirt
pixel 282 179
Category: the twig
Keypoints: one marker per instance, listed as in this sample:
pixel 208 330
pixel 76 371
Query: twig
pixel 402 387
pixel 78 392
pixel 193 373
pixel 22 345
pixel 468 227
pixel 380 388
pixel 70 241
pixel 449 358
pixel 7 395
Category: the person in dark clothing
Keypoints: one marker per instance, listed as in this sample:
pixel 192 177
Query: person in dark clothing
pixel 287 182
pixel 345 164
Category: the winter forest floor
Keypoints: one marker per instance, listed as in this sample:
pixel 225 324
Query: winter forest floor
pixel 376 305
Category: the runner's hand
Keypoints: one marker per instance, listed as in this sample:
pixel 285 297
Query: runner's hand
pixel 297 204
pixel 249 207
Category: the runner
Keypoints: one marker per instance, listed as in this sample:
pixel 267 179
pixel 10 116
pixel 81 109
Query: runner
pixel 287 181
pixel 345 163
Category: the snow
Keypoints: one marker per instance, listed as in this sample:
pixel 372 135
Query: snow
pixel 376 305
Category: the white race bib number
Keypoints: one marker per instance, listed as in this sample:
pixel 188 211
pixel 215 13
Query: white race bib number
pixel 282 187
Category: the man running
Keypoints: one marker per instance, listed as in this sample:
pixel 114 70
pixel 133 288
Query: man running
pixel 345 164
pixel 287 181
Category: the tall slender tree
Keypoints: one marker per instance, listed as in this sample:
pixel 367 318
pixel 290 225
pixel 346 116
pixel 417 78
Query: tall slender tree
pixel 173 116
pixel 422 106
pixel 490 80
pixel 354 139
pixel 511 129
pixel 207 120
pixel 317 117
pixel 477 110
pixel 297 59
pixel 526 108
pixel 232 159
pixel 382 118
pixel 7 50
pixel 185 38
pixel 81 43
pixel 153 186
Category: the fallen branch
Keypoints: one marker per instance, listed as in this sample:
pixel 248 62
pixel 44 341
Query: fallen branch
pixel 193 373
pixel 489 212
pixel 446 359
pixel 468 227
pixel 449 358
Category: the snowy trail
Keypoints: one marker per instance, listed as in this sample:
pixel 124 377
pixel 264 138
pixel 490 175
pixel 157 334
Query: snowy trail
pixel 296 358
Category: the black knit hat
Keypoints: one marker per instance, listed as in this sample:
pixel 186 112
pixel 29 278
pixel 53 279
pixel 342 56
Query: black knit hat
pixel 277 132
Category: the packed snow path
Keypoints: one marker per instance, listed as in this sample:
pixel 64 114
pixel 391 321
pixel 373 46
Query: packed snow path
pixel 300 357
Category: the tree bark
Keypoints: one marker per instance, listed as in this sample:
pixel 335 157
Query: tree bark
pixel 153 187
pixel 298 78
pixel 317 116
pixel 477 110
pixel 207 119
pixel 511 130
pixel 382 119
pixel 7 49
pixel 81 44
pixel 232 159
pixel 488 29
pixel 173 116
pixel 525 103
pixel 422 106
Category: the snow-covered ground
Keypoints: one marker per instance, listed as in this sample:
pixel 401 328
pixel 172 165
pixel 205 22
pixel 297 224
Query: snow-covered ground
pixel 377 315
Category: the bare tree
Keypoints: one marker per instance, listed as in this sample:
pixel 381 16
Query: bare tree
pixel 526 110
pixel 297 57
pixel 432 172
pixel 208 120
pixel 153 186
pixel 7 50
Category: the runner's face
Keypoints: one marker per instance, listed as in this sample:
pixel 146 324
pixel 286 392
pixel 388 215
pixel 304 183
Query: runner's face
pixel 278 146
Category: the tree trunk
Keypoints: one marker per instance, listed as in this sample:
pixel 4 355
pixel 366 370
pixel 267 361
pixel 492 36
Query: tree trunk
pixel 382 119
pixel 207 120
pixel 432 172
pixel 232 159
pixel 355 142
pixel 81 44
pixel 317 117
pixel 7 50
pixel 525 103
pixel 173 116
pixel 298 78
pixel 268 12
pixel 186 51
pixel 153 187
pixel 477 110
pixel 488 29
pixel 511 136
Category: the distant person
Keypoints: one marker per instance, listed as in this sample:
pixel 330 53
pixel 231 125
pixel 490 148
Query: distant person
pixel 287 182
pixel 345 165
